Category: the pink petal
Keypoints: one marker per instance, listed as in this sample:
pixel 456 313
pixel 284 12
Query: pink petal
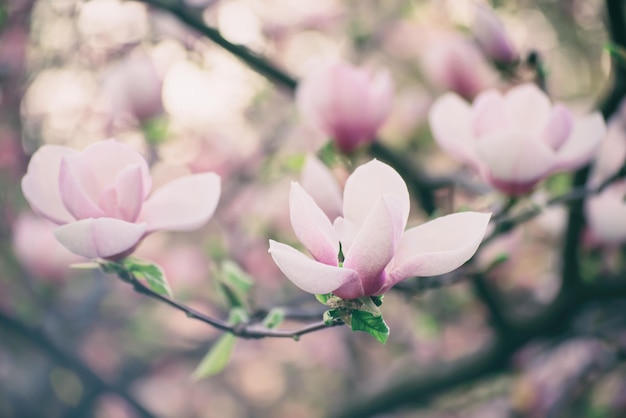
pixel 450 120
pixel 367 185
pixel 438 246
pixel 100 238
pixel 528 108
pixel 106 159
pixel 313 97
pixel 130 191
pixel 380 98
pixel 182 204
pixel 310 275
pixel 75 182
pixel 319 182
pixel 606 214
pixel 559 127
pixel 611 155
pixel 312 227
pixel 514 157
pixel 375 244
pixel 489 113
pixel 583 142
pixel 40 185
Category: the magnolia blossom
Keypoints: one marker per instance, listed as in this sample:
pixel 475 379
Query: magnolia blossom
pixel 517 139
pixel 366 251
pixel 101 198
pixel 491 35
pixel 606 211
pixel 346 103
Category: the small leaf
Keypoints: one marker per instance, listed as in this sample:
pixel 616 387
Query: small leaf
pixel 372 324
pixel 323 298
pixel 234 283
pixel 238 316
pixel 369 306
pixel 156 130
pixel 151 273
pixel 274 318
pixel 217 358
pixel 330 316
pixel 378 300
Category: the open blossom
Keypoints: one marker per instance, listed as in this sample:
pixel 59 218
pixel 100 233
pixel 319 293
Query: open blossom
pixel 101 198
pixel 377 252
pixel 517 139
pixel 348 104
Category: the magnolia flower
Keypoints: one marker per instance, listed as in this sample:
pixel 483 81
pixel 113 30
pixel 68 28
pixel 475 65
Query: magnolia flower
pixel 366 251
pixel 346 103
pixel 517 139
pixel 491 35
pixel 606 211
pixel 101 198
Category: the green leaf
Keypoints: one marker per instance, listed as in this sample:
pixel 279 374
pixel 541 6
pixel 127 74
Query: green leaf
pixel 156 130
pixel 372 324
pixel 217 358
pixel 331 315
pixel 328 153
pixel 274 318
pixel 235 283
pixel 237 316
pixel 323 298
pixel 151 273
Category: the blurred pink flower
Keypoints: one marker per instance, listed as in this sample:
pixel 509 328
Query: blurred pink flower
pixel 517 139
pixel 101 198
pixel 606 211
pixel 491 35
pixel 378 253
pixel 348 104
pixel 38 251
pixel 454 62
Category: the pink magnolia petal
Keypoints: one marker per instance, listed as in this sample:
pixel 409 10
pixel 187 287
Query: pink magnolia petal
pixel 583 142
pixel 183 204
pixel 130 189
pixel 367 185
pixel 559 127
pixel 100 238
pixel 513 157
pixel 40 185
pixel 375 244
pixel 313 97
pixel 528 108
pixel 312 227
pixel 380 98
pixel 450 120
pixel 319 182
pixel 489 113
pixel 309 275
pixel 606 214
pixel 611 155
pixel 346 231
pixel 107 159
pixel 74 184
pixel 438 246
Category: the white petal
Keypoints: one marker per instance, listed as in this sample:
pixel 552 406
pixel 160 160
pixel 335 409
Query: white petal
pixel 319 182
pixel 309 275
pixel 438 246
pixel 582 143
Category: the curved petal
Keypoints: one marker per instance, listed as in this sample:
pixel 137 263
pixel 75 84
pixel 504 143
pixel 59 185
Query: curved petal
pixel 309 275
pixel 182 204
pixel 312 227
pixel 514 157
pixel 375 243
pixel 367 185
pixel 106 159
pixel 583 142
pixel 438 246
pixel 40 185
pixel 489 113
pixel 319 182
pixel 528 108
pixel 129 188
pixel 559 127
pixel 99 238
pixel 75 185
pixel 450 120
pixel 380 98
pixel 606 212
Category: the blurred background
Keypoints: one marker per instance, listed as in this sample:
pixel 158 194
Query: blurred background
pixel 79 343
